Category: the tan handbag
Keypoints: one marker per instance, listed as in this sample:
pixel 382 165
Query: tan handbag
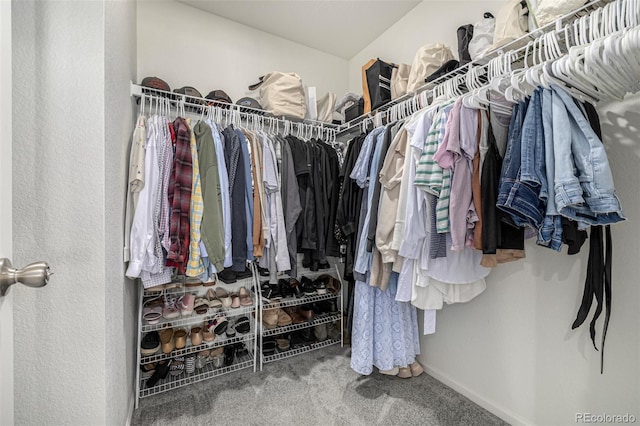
pixel 282 94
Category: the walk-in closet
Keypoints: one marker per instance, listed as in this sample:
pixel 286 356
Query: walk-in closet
pixel 412 212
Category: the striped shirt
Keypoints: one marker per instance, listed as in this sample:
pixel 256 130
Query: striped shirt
pixel 430 177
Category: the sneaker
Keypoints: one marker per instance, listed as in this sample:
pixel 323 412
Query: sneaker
pixel 170 310
pixel 321 286
pixel 307 286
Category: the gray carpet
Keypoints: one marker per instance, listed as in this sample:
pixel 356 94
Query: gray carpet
pixel 316 388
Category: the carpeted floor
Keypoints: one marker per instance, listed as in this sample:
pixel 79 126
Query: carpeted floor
pixel 316 388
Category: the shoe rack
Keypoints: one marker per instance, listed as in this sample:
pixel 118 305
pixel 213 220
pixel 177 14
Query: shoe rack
pixel 292 301
pixel 207 367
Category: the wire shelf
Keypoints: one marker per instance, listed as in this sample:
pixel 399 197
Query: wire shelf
pixel 292 301
pixel 197 319
pixel 200 289
pixel 354 125
pixel 320 319
pixel 219 341
pixel 209 371
pixel 298 351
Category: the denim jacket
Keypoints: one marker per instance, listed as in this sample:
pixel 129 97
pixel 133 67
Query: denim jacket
pixel 584 189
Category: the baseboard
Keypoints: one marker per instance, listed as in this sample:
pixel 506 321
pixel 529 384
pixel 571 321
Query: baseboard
pixel 132 404
pixel 488 405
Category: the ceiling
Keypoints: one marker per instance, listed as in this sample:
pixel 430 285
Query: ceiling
pixel 340 28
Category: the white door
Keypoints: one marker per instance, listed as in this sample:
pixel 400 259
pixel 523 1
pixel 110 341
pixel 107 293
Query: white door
pixel 6 308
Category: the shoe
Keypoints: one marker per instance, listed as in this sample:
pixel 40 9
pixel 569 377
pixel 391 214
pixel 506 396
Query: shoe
pixel 266 290
pixel 296 318
pixel 416 369
pixel 296 288
pixel 162 369
pixel 170 310
pixel 333 332
pixel 219 325
pixel 331 306
pixel 152 313
pixel 185 303
pixel 320 331
pixel 306 311
pixel 228 276
pixel 245 297
pixel 150 343
pixel 196 336
pixel 318 308
pixel 270 318
pixel 167 341
pixel 282 343
pixel 285 288
pixel 192 282
pixel 208 335
pixel 202 358
pixel 201 306
pixel 244 274
pixel 223 296
pixel 307 286
pixel 243 326
pixel 393 372
pixel 190 363
pixel 177 366
pixel 321 286
pixel 218 360
pixel 324 265
pixel 314 266
pixel 148 369
pixel 268 347
pixel 230 331
pixel 295 341
pixel 229 355
pixel 181 338
pixel 264 272
pixel 214 303
pixel 327 280
pixel 404 373
pixel 307 336
pixel 283 318
pixel 333 285
pixel 216 352
pixel 235 300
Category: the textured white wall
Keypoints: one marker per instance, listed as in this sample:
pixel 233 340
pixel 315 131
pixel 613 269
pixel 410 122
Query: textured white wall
pixel 188 47
pixel 59 198
pixel 120 293
pixel 74 339
pixel 427 23
pixel 512 349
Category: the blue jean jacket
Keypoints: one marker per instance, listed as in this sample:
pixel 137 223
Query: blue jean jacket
pixel 584 189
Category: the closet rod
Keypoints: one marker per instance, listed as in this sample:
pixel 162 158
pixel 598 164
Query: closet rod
pixel 198 104
pixel 518 45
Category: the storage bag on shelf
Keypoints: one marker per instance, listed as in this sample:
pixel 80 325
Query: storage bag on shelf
pixel 282 94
